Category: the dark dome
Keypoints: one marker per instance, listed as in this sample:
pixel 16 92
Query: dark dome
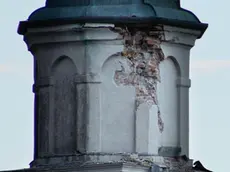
pixel 72 9
pixel 60 3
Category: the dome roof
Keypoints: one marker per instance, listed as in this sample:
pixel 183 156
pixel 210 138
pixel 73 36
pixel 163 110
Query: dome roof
pixel 114 11
pixel 61 3
pixel 62 9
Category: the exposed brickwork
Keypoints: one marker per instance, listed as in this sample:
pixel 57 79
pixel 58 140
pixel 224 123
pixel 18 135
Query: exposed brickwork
pixel 143 54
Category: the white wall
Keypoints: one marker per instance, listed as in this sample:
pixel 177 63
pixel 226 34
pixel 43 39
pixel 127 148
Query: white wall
pixel 168 103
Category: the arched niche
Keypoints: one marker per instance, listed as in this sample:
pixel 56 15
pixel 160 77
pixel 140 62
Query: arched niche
pixel 117 110
pixel 64 106
pixel 168 102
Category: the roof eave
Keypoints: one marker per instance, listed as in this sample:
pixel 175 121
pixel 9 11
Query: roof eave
pixel 24 25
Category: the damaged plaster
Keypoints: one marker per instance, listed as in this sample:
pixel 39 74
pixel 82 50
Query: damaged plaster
pixel 174 164
pixel 143 54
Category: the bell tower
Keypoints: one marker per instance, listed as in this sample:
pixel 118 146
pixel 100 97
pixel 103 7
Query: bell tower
pixel 111 84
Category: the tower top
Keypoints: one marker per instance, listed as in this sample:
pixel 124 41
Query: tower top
pixel 113 11
pixel 61 3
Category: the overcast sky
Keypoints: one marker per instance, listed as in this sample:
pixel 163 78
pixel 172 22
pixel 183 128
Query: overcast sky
pixel 209 94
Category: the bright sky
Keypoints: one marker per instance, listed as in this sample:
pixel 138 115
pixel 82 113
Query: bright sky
pixel 209 107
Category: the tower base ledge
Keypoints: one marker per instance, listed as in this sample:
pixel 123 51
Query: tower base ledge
pixel 113 162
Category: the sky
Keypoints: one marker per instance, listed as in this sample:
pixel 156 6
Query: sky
pixel 209 94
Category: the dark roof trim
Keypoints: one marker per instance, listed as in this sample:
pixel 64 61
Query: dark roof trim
pixel 22 29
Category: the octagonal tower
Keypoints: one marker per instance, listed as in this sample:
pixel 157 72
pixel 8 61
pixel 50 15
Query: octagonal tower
pixel 111 82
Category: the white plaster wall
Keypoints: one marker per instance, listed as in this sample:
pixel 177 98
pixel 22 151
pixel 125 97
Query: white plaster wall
pixel 118 110
pixel 147 131
pixel 181 55
pixel 168 103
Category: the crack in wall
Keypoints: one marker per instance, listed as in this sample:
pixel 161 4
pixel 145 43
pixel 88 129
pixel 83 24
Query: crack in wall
pixel 143 54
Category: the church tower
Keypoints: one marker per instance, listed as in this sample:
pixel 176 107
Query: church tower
pixel 111 84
